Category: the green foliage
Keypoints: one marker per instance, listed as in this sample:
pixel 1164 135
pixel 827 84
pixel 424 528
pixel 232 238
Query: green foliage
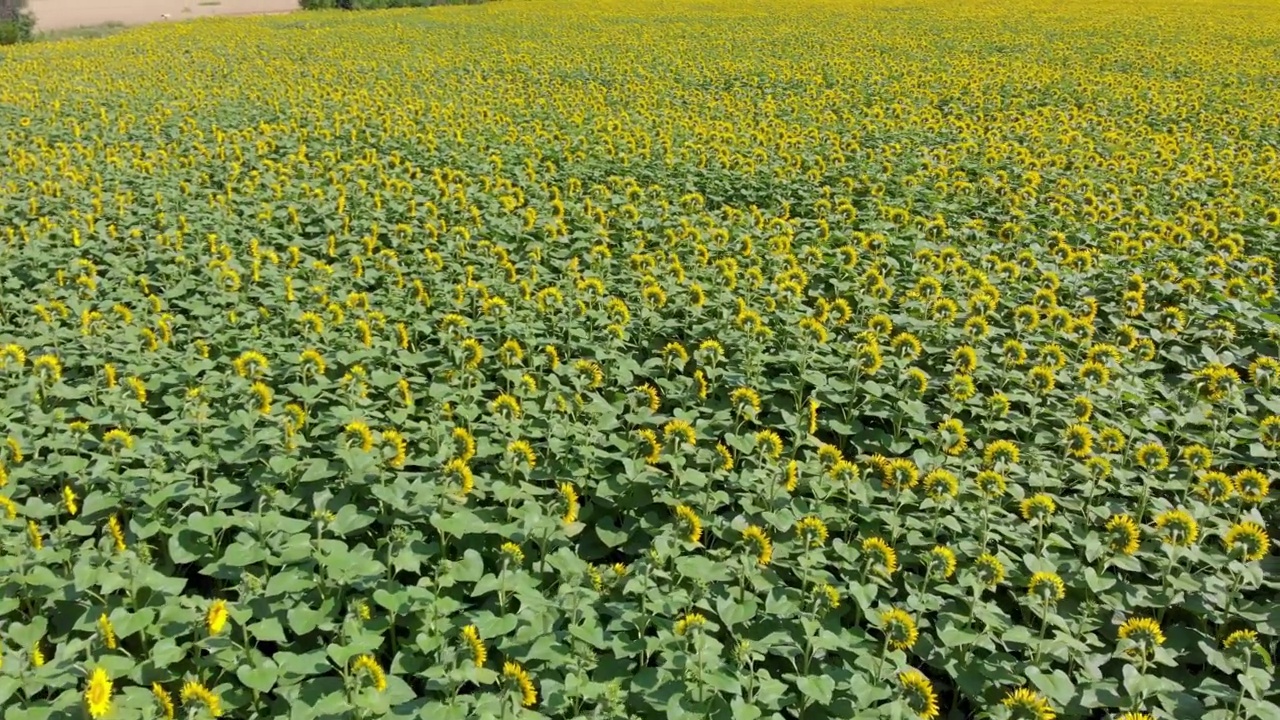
pixel 567 360
pixel 16 24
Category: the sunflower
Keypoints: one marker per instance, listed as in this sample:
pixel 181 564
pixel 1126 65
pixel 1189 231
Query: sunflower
pixel 1252 485
pixel 918 693
pixel 879 557
pixel 769 444
pixel 195 693
pixel 523 682
pixel 1269 432
pixel 1038 507
pixel 1179 526
pixel 755 536
pixel 1079 440
pixel 1082 407
pixel 1111 440
pixel 511 552
pixel 990 483
pixel 691 522
pixel 1215 487
pixel 941 561
pixel 689 622
pixel 569 495
pixel 899 628
pixel 368 665
pixel 97 695
pixel 1046 586
pixel 215 619
pixel 1241 641
pixel 1197 457
pixel 1152 456
pixel 519 450
pixel 1247 540
pixel 989 570
pixel 677 431
pixel 1001 451
pixel 953 437
pixel 901 473
pixel 164 700
pixel 1024 704
pixel 812 530
pixel 726 457
pixel 1122 534
pixel 746 402
pixel 1143 635
pixel 962 387
pixel 940 483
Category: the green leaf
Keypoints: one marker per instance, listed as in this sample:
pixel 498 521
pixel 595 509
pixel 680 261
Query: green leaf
pixel 1056 685
pixel 259 677
pixel 818 688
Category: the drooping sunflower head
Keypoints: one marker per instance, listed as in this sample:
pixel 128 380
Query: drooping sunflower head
pixel 941 561
pixel 1141 636
pixel 1152 456
pixel 879 557
pixel 940 483
pixel 1038 507
pixel 900 473
pixel 1024 704
pixel 812 530
pixel 1001 452
pixel 1215 487
pixel 1241 642
pixel 1197 457
pixel 1046 587
pixel 990 483
pixel 756 538
pixel 1247 541
pixel 952 437
pixel 989 570
pixel 691 524
pixel 918 693
pixel 769 444
pixel 1253 485
pixel 1178 527
pixel 1078 440
pixel 1122 534
pixel 899 629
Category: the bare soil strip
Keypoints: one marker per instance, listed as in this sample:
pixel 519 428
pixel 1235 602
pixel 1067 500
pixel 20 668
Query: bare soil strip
pixel 65 14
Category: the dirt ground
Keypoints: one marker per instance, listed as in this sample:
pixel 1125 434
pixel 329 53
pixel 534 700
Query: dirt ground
pixel 65 14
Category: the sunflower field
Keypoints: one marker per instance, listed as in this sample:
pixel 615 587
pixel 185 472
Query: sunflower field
pixel 691 359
